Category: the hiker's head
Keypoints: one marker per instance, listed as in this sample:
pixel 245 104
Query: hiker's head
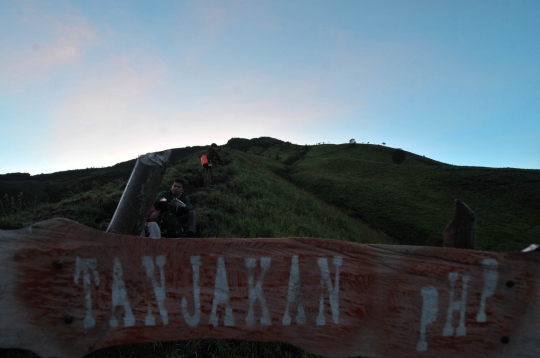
pixel 178 187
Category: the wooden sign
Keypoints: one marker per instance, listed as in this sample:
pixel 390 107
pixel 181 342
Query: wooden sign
pixel 67 290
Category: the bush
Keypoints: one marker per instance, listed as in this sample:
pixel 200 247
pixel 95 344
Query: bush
pixel 399 156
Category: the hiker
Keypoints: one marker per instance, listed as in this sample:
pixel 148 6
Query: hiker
pixel 212 157
pixel 177 211
pixel 151 227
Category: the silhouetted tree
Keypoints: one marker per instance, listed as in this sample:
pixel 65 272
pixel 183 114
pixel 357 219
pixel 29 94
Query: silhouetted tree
pixel 399 156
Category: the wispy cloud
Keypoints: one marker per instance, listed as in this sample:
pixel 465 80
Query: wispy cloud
pixel 40 41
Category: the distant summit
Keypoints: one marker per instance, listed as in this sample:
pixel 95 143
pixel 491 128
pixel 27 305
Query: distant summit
pixel 246 144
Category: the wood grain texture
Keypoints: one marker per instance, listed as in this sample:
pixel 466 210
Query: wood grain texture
pixel 67 290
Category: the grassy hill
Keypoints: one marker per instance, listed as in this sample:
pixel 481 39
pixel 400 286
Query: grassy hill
pixel 412 202
pixel 270 188
pixel 246 200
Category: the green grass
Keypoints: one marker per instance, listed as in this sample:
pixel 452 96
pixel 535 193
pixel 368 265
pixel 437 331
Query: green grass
pixel 413 201
pixel 269 188
pixel 248 200
pixel 93 208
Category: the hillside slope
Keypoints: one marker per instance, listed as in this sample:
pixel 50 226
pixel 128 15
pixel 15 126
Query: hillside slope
pixel 414 201
pixel 247 200
pixel 271 188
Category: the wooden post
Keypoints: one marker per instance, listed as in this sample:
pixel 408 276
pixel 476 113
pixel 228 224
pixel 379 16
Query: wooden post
pixel 461 231
pixel 140 193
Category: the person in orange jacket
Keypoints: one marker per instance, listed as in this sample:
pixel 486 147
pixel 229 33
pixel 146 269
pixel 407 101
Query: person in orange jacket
pixel 212 156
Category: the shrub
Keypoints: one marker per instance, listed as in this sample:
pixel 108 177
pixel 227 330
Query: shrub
pixel 399 156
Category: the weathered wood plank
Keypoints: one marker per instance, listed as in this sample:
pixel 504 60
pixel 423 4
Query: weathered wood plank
pixel 67 290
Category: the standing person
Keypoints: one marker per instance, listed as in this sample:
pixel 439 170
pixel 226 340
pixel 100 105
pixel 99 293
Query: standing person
pixel 178 211
pixel 213 157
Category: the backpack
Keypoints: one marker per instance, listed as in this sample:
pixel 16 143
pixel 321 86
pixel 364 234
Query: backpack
pixel 204 160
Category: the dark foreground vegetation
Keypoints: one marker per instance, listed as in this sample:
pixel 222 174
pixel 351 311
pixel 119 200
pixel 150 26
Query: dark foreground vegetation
pixel 270 188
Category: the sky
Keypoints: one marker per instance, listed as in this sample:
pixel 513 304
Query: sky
pixel 94 83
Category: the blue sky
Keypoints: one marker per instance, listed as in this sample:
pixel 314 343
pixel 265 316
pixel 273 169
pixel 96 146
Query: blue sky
pixel 93 83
